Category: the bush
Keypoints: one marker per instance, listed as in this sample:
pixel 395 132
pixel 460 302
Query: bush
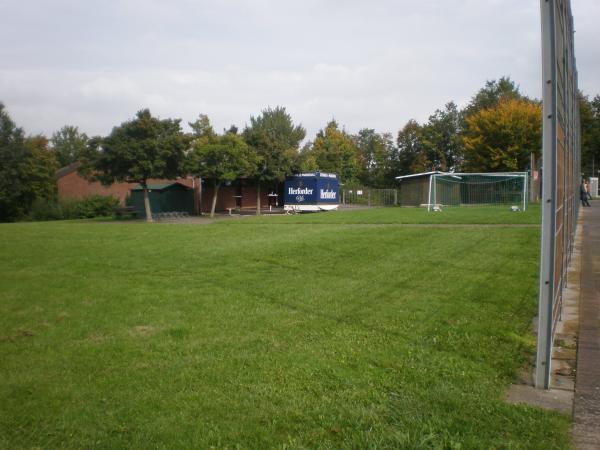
pixel 45 209
pixel 92 206
pixel 85 208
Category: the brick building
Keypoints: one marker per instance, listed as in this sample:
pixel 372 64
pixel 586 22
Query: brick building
pixel 71 185
pixel 241 194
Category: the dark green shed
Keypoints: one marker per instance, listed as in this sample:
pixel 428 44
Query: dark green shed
pixel 167 197
pixel 414 189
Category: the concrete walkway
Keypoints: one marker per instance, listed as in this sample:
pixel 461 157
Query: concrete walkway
pixel 586 408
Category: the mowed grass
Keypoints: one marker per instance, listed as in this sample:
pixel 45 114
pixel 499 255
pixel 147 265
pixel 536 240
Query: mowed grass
pixel 495 215
pixel 258 334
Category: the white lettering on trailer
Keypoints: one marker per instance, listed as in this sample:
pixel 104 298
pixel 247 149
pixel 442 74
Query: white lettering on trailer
pixel 300 191
pixel 328 194
pixel 316 174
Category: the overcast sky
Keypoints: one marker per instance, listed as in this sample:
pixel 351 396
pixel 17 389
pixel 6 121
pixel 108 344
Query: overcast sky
pixel 372 64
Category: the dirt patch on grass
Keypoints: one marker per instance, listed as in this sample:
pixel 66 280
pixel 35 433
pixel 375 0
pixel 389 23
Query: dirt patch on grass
pixel 96 338
pixel 18 334
pixel 142 330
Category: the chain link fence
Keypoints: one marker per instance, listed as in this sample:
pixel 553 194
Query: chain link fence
pixel 370 197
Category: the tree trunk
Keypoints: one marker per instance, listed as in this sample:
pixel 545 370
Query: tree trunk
pixel 199 193
pixel 147 203
pixel 216 187
pixel 258 199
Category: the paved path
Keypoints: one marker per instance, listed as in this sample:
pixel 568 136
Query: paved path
pixel 586 410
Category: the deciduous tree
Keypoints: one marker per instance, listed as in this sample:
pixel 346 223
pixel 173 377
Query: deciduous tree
pixel 375 152
pixel 411 156
pixel 40 169
pixel 275 139
pixel 589 113
pixel 26 170
pixel 68 144
pixel 492 93
pixel 503 137
pixel 335 151
pixel 306 158
pixel 137 150
pixel 13 157
pixel 221 159
pixel 202 128
pixel 441 138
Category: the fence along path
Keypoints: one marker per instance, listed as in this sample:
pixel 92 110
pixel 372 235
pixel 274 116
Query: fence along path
pixel 561 176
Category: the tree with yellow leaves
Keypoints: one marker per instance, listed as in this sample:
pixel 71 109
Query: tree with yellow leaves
pixel 502 138
pixel 334 151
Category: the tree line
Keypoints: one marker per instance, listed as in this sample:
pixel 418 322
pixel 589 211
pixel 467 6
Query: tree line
pixel 498 130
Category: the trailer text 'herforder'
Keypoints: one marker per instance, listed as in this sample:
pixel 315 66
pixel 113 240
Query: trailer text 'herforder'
pixel 313 191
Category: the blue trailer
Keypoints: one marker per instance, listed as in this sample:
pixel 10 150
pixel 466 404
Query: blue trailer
pixel 315 191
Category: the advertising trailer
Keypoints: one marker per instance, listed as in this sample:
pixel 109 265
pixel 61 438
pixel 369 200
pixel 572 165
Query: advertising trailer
pixel 314 191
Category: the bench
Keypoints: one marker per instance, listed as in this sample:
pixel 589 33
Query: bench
pixel 125 211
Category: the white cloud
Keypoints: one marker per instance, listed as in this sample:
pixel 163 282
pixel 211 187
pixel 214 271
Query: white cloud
pixel 368 64
pixel 110 88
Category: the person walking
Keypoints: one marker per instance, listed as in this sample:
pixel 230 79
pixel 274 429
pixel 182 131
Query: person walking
pixel 587 190
pixel 584 193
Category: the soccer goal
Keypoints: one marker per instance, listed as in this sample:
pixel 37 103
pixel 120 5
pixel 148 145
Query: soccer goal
pixel 478 189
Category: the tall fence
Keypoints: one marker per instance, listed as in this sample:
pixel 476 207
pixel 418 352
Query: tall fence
pixel 561 173
pixel 370 197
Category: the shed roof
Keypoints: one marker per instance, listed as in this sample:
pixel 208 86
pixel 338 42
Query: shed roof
pixel 64 171
pixel 161 186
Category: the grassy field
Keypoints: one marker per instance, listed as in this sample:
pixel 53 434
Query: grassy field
pixel 410 216
pixel 320 331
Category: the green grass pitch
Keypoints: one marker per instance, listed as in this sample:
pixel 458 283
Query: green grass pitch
pixel 316 331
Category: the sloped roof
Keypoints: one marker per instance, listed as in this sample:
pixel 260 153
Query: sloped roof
pixel 63 171
pixel 161 186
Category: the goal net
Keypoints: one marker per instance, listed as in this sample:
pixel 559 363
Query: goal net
pixel 478 189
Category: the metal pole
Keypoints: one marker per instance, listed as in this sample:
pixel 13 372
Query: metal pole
pixel 532 187
pixel 547 282
pixel 525 191
pixel 429 196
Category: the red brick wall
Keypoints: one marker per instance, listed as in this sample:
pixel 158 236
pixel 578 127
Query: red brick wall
pixel 73 186
pixel 226 198
pixel 249 197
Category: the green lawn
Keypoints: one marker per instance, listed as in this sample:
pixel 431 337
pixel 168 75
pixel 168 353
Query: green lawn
pixel 269 333
pixel 471 215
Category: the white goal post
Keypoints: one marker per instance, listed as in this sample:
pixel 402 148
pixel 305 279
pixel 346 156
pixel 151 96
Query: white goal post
pixel 478 189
